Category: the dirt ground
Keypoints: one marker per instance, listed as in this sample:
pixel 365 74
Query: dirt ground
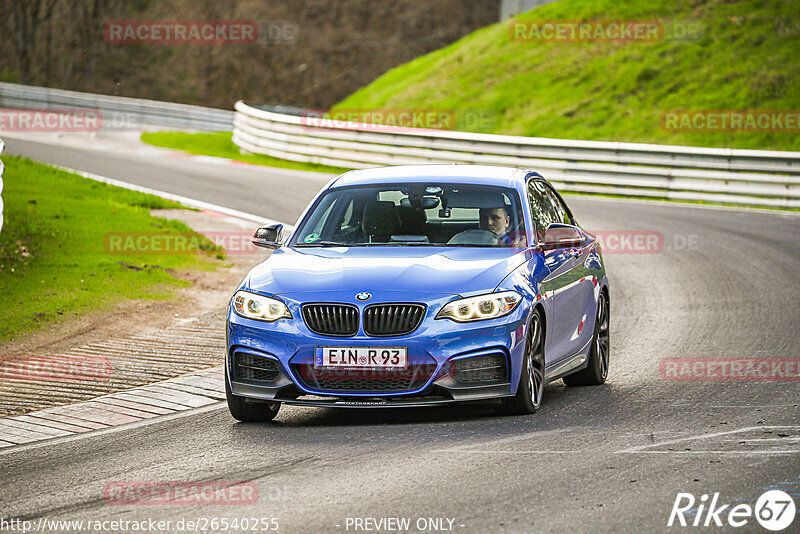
pixel 196 313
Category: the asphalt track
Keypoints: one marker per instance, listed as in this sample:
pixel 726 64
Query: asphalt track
pixel 603 459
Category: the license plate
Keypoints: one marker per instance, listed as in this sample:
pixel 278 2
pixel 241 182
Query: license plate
pixel 361 357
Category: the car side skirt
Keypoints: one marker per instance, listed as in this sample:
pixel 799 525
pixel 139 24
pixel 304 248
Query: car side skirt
pixel 569 365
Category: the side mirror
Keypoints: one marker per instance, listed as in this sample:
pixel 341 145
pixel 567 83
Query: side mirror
pixel 268 236
pixel 562 236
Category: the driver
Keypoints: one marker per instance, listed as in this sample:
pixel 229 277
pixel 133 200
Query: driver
pixel 497 221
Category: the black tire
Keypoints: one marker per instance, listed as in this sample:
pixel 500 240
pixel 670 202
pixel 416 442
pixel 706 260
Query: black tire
pixel 249 410
pixel 531 381
pixel 596 370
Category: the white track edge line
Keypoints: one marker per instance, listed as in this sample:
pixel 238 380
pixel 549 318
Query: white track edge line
pixel 186 201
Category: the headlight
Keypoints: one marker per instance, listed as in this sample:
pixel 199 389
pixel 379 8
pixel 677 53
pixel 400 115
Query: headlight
pixel 481 307
pixel 260 308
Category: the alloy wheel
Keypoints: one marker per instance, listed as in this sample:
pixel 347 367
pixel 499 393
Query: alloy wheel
pixel 535 362
pixel 602 336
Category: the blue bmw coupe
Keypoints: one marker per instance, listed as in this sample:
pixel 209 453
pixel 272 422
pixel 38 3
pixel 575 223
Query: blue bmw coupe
pixel 419 286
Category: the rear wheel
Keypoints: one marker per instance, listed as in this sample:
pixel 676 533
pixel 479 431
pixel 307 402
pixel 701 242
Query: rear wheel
pixel 248 410
pixel 596 370
pixel 531 380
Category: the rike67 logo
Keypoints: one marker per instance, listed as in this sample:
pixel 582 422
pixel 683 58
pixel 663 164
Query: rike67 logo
pixel 774 510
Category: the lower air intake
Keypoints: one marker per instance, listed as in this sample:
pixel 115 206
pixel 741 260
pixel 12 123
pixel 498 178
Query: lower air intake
pixel 250 367
pixel 365 380
pixel 480 369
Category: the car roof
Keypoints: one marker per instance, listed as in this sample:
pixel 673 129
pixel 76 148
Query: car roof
pixel 463 174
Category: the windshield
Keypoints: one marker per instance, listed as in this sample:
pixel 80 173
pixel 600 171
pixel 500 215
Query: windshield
pixel 415 215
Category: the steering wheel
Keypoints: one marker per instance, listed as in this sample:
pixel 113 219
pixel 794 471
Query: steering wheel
pixel 474 237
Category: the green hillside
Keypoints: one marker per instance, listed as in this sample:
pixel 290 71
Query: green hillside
pixel 740 55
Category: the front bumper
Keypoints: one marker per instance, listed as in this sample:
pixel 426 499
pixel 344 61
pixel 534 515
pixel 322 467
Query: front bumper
pixel 481 393
pixel 289 345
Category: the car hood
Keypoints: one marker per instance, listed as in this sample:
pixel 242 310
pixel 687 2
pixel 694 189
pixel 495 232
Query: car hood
pixel 457 271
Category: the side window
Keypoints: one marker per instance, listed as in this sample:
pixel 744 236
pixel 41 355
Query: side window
pixel 541 210
pixel 559 210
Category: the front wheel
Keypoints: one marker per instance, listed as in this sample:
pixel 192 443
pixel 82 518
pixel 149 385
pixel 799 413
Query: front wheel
pixel 531 380
pixel 596 370
pixel 250 411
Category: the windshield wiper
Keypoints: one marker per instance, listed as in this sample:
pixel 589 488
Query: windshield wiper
pixel 326 244
pixel 412 244
pixel 376 244
pixel 398 244
pixel 473 246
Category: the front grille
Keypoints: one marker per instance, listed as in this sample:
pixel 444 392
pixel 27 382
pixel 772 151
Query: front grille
pixel 250 367
pixel 331 319
pixel 392 319
pixel 365 380
pixel 480 369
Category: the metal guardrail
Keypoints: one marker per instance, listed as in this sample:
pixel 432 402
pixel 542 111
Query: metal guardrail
pixel 751 177
pixel 117 111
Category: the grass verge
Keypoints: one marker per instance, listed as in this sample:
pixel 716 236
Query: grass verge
pixel 735 55
pixel 55 261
